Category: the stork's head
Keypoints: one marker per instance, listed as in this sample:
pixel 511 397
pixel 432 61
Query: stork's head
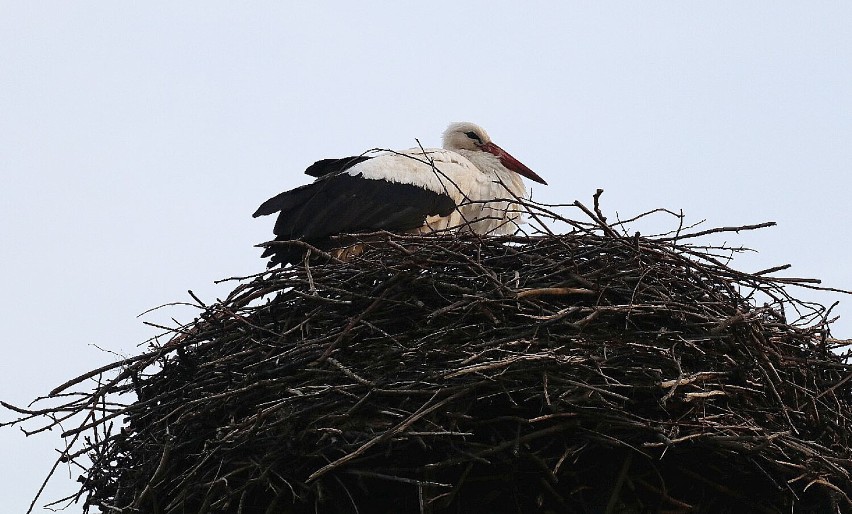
pixel 473 138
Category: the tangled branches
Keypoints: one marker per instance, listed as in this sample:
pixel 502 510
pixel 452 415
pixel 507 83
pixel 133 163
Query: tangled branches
pixel 584 372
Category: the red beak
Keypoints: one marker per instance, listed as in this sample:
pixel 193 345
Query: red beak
pixel 511 163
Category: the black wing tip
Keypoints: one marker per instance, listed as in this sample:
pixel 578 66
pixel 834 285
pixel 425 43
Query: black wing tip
pixel 267 207
pixel 278 255
pixel 326 167
pixel 273 205
pixel 319 168
pixel 261 212
pixel 265 210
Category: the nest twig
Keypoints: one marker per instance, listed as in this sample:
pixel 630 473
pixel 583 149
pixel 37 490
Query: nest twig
pixel 592 371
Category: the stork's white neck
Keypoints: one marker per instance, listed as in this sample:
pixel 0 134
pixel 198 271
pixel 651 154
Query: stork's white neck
pixel 489 164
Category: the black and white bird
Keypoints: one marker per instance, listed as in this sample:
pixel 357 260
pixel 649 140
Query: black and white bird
pixel 471 185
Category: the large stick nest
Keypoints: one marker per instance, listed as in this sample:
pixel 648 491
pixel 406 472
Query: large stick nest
pixel 586 372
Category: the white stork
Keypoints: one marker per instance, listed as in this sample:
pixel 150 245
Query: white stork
pixel 467 185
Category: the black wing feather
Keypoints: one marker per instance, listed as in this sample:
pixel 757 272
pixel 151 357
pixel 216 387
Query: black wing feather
pixel 330 166
pixel 321 169
pixel 345 204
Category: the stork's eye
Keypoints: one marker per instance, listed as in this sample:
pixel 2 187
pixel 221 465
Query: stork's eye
pixel 473 135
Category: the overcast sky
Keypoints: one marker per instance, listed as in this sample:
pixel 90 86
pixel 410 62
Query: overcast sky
pixel 136 139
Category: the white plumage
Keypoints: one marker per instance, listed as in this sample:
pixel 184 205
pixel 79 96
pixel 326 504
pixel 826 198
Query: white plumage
pixel 470 185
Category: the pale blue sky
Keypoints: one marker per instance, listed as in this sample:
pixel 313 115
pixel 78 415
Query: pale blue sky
pixel 136 139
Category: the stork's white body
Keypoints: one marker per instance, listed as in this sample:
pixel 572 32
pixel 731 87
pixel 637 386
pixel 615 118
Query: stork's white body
pixel 484 191
pixel 471 185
